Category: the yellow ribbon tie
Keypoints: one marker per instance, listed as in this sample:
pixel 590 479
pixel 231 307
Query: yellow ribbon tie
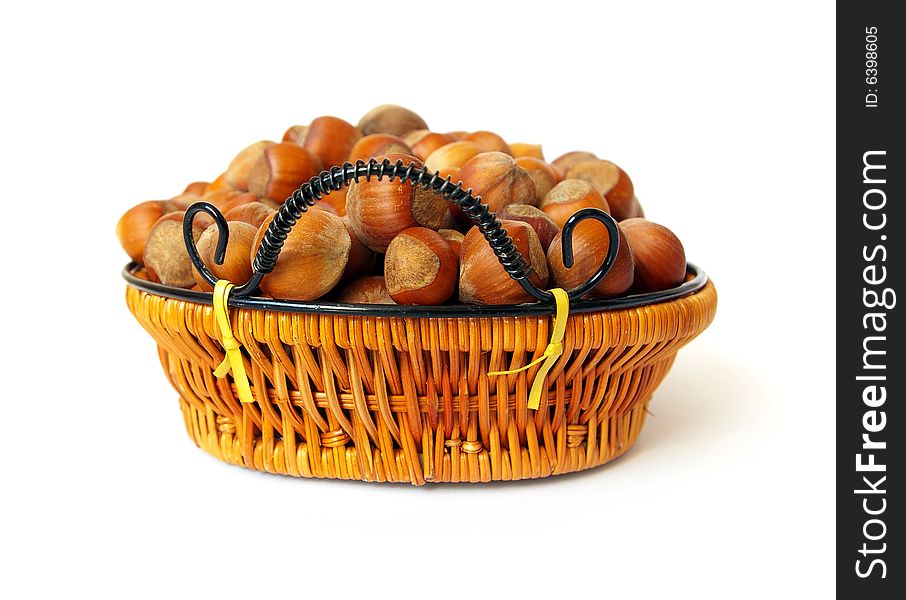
pixel 233 359
pixel 551 353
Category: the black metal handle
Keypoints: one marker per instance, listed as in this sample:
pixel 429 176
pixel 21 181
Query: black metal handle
pixel 335 178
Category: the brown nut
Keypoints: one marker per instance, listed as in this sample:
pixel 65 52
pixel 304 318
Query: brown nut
pixel 611 181
pixel 379 210
pixel 569 196
pixel 590 246
pixel 488 141
pixel 451 156
pixel 377 144
pixel 423 142
pixel 570 159
pixel 543 175
pixel 196 188
pixel 330 139
pixel 532 150
pixel 165 256
pixel 236 175
pixel 660 260
pixel 420 267
pixel 312 259
pixel 361 258
pixel 295 134
pixel 389 118
pixel 366 290
pixel 499 181
pixel 253 213
pixel 481 278
pixel 280 170
pixel 135 225
pixel 219 184
pixel 237 264
pixel 454 239
pixel 229 199
pixel 539 220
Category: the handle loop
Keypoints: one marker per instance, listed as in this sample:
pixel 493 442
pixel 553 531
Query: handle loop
pixel 335 178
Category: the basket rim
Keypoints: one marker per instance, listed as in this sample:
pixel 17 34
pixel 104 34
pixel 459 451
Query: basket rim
pixel 696 280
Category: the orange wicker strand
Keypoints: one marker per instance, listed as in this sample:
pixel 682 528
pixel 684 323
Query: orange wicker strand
pixel 410 399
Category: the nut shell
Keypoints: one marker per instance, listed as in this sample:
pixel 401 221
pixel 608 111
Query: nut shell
pixel 543 175
pixel 420 268
pixel 371 146
pixel 590 246
pixel 488 141
pixel 539 220
pixel 423 142
pixel 520 150
pixel 165 255
pixel 237 264
pixel 499 181
pixel 390 118
pixel 253 213
pixel 567 161
pixel 569 196
pixel 482 280
pixel 379 210
pixel 312 259
pixel 450 157
pixel 330 139
pixel 236 175
pixel 135 225
pixel 611 181
pixel 280 170
pixel 660 260
pixel 366 290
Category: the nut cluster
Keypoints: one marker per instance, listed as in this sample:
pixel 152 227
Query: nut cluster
pixel 382 242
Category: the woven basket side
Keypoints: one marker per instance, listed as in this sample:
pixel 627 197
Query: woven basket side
pixel 398 399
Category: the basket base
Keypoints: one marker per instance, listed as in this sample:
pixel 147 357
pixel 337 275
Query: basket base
pixel 573 448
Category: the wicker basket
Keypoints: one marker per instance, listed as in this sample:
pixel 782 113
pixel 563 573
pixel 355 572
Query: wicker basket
pixel 402 394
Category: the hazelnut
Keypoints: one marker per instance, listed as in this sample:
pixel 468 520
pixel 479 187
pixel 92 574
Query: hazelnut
pixel 488 141
pixel 196 187
pixel 532 150
pixel 330 139
pixel 295 134
pixel 482 280
pixel 377 145
pixel 219 184
pixel 236 175
pixel 312 259
pixel 611 181
pixel 253 213
pixel 570 159
pixel 336 199
pixel 454 239
pixel 570 195
pixel 280 170
pixel 590 246
pixel 423 142
pixel 539 220
pixel 237 264
pixel 361 258
pixel 135 225
pixel 165 255
pixel 379 210
pixel 366 290
pixel 660 260
pixel 458 135
pixel 499 181
pixel 637 210
pixel 543 175
pixel 389 118
pixel 451 156
pixel 184 200
pixel 229 199
pixel 420 267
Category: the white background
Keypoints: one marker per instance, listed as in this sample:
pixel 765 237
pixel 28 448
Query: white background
pixel 724 118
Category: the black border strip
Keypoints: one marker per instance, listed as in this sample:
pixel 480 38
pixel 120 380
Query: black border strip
pixel 695 282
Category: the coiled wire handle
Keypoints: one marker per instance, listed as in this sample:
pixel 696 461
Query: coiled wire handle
pixel 335 178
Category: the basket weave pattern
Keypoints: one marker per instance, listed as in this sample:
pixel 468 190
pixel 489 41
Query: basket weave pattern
pixel 409 399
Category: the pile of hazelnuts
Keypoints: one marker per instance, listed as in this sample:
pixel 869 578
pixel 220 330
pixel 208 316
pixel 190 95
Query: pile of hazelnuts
pixel 384 242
